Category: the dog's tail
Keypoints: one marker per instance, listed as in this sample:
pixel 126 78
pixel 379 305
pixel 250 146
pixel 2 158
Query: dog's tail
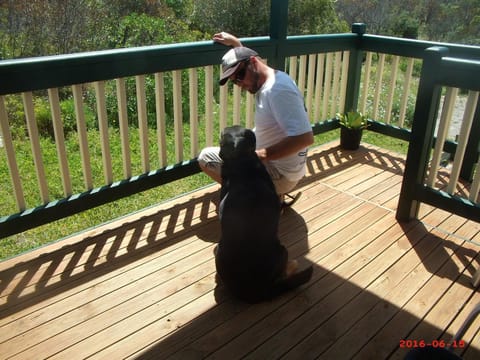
pixel 292 282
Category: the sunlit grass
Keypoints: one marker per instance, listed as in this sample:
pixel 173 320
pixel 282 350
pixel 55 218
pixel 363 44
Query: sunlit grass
pixel 58 229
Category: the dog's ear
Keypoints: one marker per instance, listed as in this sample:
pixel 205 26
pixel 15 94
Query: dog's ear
pixel 250 138
pixel 227 146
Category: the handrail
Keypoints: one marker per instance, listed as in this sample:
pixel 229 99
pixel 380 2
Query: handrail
pixel 415 48
pixel 63 70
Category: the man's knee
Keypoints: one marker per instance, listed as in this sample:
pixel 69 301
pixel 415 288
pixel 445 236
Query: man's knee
pixel 210 162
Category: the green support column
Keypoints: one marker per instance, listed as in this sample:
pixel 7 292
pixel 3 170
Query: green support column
pixel 421 140
pixel 355 69
pixel 278 30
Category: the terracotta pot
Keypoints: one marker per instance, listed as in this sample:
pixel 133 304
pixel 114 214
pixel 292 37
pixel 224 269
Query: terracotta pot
pixel 350 138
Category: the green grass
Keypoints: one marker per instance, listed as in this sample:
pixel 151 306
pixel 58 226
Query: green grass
pixel 385 142
pixel 45 234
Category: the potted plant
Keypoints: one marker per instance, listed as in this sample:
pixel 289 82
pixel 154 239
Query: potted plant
pixel 352 124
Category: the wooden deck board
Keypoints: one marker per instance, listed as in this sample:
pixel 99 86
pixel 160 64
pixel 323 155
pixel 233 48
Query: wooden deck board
pixel 144 286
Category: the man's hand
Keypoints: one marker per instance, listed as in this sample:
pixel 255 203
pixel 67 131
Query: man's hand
pixel 262 154
pixel 227 39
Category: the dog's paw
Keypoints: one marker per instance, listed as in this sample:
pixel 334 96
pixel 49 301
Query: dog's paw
pixel 292 266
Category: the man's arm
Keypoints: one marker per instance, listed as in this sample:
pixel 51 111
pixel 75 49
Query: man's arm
pixel 288 146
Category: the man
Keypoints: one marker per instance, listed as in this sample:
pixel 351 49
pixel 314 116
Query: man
pixel 282 128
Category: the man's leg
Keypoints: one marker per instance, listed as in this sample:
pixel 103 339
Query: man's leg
pixel 211 163
pixel 282 184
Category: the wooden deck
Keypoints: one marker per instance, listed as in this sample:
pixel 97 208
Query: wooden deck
pixel 144 286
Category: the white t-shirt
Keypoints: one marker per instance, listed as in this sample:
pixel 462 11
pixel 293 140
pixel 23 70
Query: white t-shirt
pixel 280 112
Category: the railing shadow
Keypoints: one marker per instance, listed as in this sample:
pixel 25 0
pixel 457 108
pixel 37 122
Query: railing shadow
pixel 70 266
pixel 441 249
pixel 334 159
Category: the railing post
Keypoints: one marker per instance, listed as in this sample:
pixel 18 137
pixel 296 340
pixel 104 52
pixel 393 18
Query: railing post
pixel 421 139
pixel 355 69
pixel 278 31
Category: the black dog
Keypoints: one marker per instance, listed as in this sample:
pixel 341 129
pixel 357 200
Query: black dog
pixel 250 260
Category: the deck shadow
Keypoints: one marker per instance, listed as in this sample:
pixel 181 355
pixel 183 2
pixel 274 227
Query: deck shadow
pixel 442 248
pixel 67 267
pixel 249 329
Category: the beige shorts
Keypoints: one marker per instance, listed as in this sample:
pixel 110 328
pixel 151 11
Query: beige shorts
pixel 210 158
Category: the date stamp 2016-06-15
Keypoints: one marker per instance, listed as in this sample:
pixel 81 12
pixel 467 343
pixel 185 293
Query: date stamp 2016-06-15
pixel 410 344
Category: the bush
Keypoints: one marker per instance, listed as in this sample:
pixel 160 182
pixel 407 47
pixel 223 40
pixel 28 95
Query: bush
pixel 44 118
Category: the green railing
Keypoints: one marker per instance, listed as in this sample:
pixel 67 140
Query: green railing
pixel 420 183
pixel 333 71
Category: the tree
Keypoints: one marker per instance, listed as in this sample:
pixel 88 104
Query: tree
pixel 437 20
pixel 242 18
pixel 47 27
pixel 452 21
pixel 375 13
pixel 252 17
pixel 36 27
pixel 314 17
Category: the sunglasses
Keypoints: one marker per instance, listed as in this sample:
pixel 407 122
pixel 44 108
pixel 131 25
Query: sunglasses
pixel 239 76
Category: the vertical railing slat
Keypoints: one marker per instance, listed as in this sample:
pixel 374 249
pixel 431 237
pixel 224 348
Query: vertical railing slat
pixel 237 102
pixel 302 69
pixel 103 129
pixel 142 121
pixel 378 85
pixel 406 91
pixel 463 139
pixel 160 117
pixel 366 82
pixel 11 159
pixel 343 83
pixel 82 136
pixel 391 89
pixel 223 110
pixel 317 114
pixel 310 84
pixel 250 111
pixel 475 188
pixel 209 101
pixel 177 114
pixel 35 144
pixel 337 67
pixel 292 68
pixel 193 102
pixel 123 124
pixel 444 125
pixel 60 141
pixel 327 84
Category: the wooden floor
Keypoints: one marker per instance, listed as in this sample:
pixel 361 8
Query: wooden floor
pixel 144 286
